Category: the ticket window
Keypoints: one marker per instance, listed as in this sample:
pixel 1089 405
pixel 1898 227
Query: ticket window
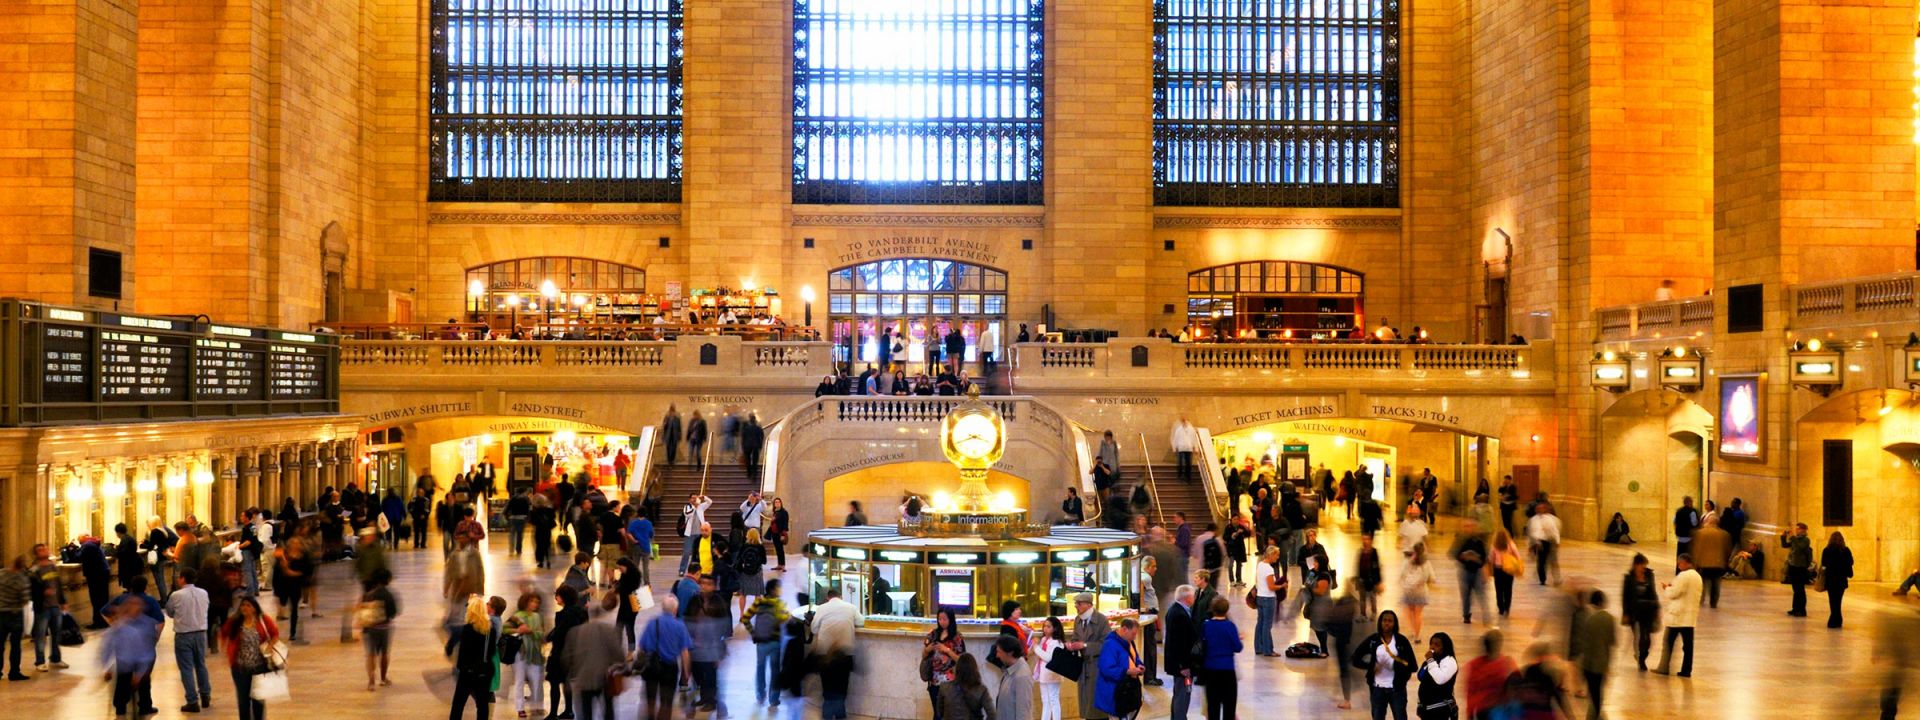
pixel 1026 585
pixel 897 590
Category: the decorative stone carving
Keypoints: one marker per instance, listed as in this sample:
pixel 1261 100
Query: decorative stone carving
pixel 1277 223
pixel 916 220
pixel 574 218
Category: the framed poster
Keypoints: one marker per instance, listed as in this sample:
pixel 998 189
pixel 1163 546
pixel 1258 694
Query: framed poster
pixel 1742 417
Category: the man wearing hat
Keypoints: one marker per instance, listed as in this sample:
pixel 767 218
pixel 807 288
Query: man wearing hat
pixel 1089 633
pixel 369 555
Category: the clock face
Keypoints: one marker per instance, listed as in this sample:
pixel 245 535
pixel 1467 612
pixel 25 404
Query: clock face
pixel 974 435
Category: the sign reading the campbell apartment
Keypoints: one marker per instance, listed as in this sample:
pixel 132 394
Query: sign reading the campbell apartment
pixel 900 246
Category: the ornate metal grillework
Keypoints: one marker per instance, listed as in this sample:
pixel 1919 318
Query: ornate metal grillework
pixel 917 102
pixel 565 100
pixel 1276 103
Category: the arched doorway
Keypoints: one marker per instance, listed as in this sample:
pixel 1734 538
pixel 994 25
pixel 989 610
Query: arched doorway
pixel 1275 300
pixel 879 490
pixel 920 300
pixel 1857 470
pixel 1653 455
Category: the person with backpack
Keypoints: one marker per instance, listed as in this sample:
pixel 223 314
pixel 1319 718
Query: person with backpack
pixel 764 623
pixel 520 646
pixel 793 666
pixel 749 565
pixel 664 658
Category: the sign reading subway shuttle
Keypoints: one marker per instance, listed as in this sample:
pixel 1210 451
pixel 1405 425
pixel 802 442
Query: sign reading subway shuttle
pixel 71 365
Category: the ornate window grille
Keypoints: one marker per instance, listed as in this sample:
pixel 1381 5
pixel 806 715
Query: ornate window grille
pixel 917 101
pixel 555 100
pixel 1276 103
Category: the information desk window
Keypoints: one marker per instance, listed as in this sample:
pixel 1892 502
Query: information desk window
pixel 916 583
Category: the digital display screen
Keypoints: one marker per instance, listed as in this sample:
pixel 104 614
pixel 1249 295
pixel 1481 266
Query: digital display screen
pixel 956 593
pixel 1740 417
pixel 1076 578
pixel 66 353
pixel 138 367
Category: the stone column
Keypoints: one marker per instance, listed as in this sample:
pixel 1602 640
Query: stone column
pixel 247 479
pixel 344 462
pixel 739 165
pixel 318 460
pixel 270 468
pixel 1813 181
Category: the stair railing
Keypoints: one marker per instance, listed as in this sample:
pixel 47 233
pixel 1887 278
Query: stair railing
pixel 706 463
pixel 1153 488
pixel 642 468
pixel 1215 480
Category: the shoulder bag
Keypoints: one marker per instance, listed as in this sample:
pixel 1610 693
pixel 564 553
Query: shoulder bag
pixel 1126 693
pixel 1067 663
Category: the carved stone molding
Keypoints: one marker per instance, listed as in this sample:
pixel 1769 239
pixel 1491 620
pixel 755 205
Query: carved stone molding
pixel 914 220
pixel 530 218
pixel 1278 223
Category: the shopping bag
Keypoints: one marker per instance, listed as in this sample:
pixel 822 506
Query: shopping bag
pixel 270 687
pixel 645 597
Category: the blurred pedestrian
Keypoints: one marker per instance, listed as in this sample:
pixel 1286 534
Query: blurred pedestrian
pixel 249 636
pixel 1593 650
pixel 530 661
pixel 570 614
pixel 1488 677
pixel 1416 583
pixel 665 653
pixel 1640 607
pixel 474 665
pixel 1836 570
pixel 375 613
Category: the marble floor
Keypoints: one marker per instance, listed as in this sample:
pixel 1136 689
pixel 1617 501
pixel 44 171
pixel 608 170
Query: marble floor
pixel 1752 660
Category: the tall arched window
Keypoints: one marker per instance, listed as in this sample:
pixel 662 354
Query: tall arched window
pixel 920 300
pixel 1275 300
pixel 1276 103
pixel 917 101
pixel 555 101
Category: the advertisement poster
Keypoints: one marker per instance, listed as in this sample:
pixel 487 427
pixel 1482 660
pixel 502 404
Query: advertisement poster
pixel 1741 416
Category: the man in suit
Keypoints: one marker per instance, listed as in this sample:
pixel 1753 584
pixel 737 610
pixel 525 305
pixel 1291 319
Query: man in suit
pixel 670 434
pixel 1090 630
pixel 1180 663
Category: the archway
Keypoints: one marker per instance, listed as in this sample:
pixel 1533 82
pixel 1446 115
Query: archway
pixel 1275 299
pixel 1393 452
pixel 920 300
pixel 522 450
pixel 1857 470
pixel 880 489
pixel 507 291
pixel 1653 454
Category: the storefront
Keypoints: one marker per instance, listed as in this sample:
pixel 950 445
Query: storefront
pixel 1275 300
pixel 917 302
pixel 528 459
pixel 525 291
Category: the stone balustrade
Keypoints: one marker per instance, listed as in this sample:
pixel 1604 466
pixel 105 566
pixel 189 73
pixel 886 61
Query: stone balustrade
pixel 1893 298
pixel 1656 320
pixel 685 356
pixel 1044 366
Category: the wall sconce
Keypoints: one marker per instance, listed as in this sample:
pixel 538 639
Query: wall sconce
pixel 1815 366
pixel 1611 372
pixel 1912 364
pixel 1681 369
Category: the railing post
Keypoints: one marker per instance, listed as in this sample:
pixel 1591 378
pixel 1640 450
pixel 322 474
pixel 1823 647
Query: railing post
pixel 436 355
pixel 1406 357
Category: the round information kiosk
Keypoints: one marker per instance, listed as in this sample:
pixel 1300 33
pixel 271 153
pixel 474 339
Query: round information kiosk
pixel 969 553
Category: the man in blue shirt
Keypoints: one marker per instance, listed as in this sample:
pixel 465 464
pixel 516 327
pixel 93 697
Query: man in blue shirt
pixel 640 543
pixel 127 652
pixel 137 590
pixel 668 646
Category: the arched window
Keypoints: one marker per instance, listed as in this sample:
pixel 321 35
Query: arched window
pixel 1274 300
pixel 921 300
pixel 582 285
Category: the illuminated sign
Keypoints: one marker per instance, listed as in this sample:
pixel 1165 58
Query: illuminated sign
pixel 899 556
pixel 850 553
pixel 1017 558
pixel 1072 556
pixel 957 558
pixel 1741 418
pixel 67 315
pixel 1114 552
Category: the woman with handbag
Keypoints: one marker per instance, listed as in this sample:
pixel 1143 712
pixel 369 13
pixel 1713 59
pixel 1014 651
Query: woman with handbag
pixel 1640 607
pixel 1044 644
pixel 937 654
pixel 624 587
pixel 782 523
pixel 1437 676
pixel 474 663
pixel 1836 568
pixel 1268 583
pixel 249 637
pixel 375 615
pixel 1505 560
pixel 529 662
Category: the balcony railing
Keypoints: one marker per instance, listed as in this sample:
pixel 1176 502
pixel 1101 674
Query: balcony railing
pixel 1660 319
pixel 1858 301
pixel 688 355
pixel 1148 359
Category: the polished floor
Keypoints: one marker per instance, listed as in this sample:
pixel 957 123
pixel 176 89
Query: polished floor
pixel 1752 660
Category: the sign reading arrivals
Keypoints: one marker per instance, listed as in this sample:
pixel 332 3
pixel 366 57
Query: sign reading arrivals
pixel 67 365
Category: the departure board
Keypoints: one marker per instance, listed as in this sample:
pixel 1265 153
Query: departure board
pixel 80 365
pixel 229 370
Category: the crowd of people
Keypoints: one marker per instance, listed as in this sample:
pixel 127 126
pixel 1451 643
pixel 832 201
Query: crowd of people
pixel 567 651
